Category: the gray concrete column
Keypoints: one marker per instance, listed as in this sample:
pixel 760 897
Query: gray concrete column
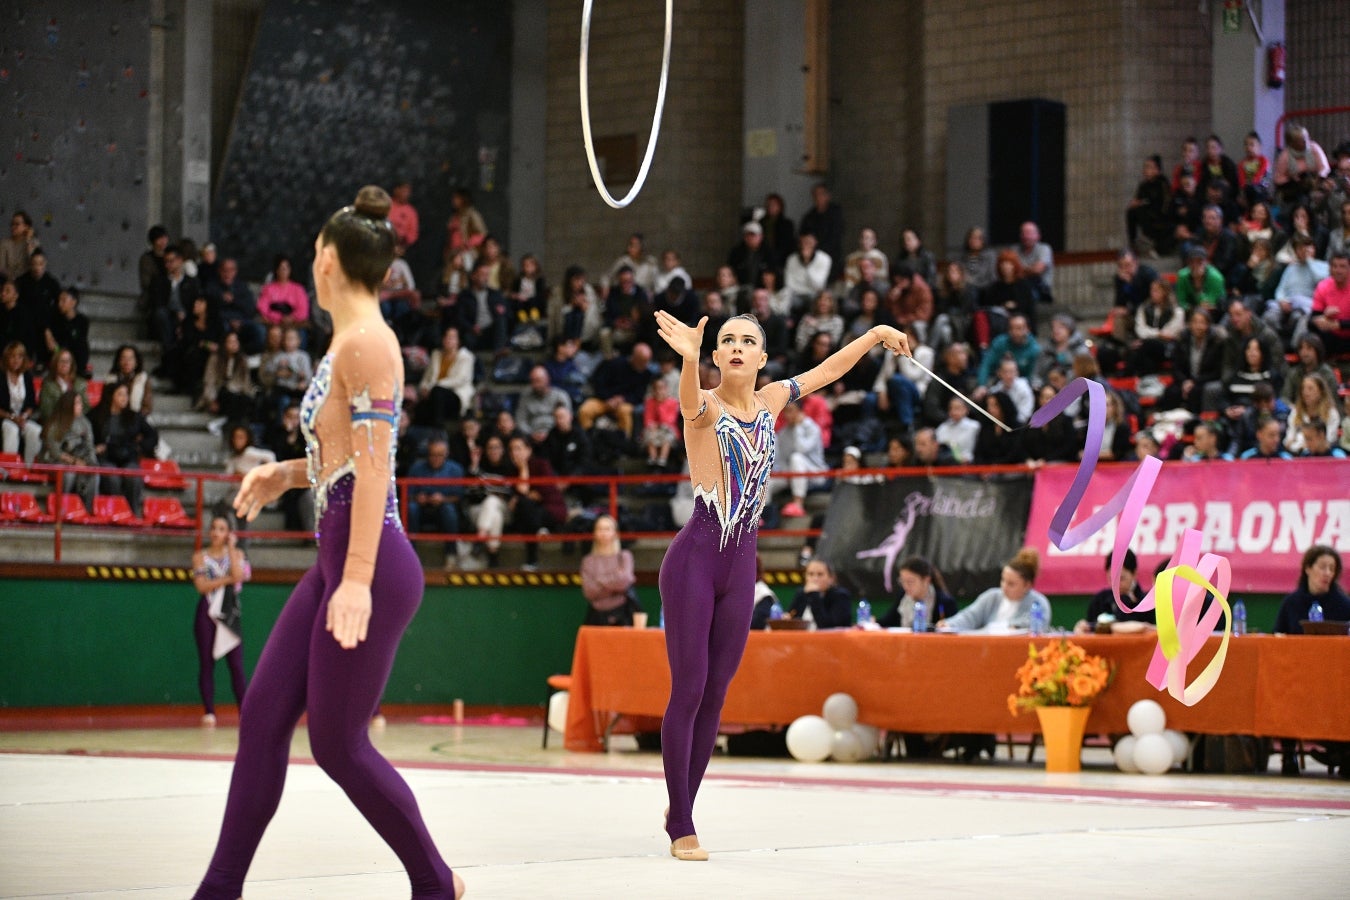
pixel 195 174
pixel 525 232
pixel 1241 99
pixel 774 104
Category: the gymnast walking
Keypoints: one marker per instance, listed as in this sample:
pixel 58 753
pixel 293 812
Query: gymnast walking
pixel 708 575
pixel 333 646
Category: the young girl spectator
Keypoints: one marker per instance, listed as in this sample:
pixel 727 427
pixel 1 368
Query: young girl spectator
pixel 68 439
pixel 129 369
pixel 1253 171
pixel 290 370
pixel 528 293
pixel 660 419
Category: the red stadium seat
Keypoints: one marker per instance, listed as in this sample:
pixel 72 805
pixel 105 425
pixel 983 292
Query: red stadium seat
pixel 24 508
pixel 163 474
pixel 73 511
pixel 13 468
pixel 166 512
pixel 95 392
pixel 116 510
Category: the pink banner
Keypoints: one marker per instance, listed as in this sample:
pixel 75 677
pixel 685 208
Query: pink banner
pixel 1261 515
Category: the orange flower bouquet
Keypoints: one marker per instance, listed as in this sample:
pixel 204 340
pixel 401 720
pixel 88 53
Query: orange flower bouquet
pixel 1060 674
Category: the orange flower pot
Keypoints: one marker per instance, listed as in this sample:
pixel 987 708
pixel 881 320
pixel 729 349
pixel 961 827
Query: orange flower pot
pixel 1062 730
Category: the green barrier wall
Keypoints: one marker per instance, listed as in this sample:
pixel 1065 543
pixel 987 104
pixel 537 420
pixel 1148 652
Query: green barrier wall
pixel 76 643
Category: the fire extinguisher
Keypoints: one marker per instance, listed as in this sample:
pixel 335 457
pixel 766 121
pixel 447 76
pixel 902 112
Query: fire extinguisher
pixel 1275 65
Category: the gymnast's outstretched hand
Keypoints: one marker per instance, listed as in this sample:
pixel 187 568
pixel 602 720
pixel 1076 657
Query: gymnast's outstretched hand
pixel 686 341
pixel 893 339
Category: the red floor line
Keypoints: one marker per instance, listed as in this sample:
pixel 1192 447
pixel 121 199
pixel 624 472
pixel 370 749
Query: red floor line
pixel 1226 801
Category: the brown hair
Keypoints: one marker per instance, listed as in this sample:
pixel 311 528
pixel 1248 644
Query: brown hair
pixel 1312 555
pixel 363 237
pixel 1026 563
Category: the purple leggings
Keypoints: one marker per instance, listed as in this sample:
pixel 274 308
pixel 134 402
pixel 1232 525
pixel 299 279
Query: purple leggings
pixel 302 669
pixel 205 630
pixel 707 595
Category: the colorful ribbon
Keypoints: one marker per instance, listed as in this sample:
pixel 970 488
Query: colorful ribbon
pixel 1182 629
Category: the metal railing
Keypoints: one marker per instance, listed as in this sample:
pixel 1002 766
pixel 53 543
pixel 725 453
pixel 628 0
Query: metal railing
pixel 612 485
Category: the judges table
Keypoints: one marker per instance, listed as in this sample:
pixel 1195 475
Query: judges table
pixel 1272 686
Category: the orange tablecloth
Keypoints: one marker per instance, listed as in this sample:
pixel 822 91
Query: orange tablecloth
pixel 1274 686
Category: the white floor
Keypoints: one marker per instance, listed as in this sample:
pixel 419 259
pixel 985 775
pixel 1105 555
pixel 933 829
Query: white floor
pixel 124 826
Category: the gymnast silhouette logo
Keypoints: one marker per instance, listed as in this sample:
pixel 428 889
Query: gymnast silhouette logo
pixel 891 547
pixel 943 504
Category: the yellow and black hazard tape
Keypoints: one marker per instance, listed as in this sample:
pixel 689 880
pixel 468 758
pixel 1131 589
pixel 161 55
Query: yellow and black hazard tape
pixel 137 573
pixel 513 579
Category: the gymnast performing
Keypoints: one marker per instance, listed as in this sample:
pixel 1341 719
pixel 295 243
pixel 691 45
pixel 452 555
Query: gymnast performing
pixel 333 646
pixel 708 575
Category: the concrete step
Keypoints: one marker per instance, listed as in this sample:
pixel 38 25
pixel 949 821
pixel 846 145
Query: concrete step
pixel 100 344
pixel 123 331
pixel 101 307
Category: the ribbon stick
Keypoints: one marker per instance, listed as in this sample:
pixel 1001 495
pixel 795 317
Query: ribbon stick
pixel 1182 631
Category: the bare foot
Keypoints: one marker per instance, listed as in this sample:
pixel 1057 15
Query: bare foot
pixel 459 887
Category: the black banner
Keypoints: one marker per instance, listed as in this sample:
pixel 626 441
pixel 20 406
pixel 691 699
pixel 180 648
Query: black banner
pixel 967 526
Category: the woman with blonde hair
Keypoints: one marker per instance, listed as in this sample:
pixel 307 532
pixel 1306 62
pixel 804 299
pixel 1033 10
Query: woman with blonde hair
pixel 607 577
pixel 1316 400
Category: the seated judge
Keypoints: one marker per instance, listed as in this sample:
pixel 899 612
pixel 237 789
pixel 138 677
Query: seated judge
pixel 1103 610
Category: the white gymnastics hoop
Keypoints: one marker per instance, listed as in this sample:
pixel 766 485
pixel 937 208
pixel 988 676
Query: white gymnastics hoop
pixel 586 109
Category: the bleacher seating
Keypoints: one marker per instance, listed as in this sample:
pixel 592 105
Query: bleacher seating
pixel 117 510
pixel 72 510
pixel 20 507
pixel 166 512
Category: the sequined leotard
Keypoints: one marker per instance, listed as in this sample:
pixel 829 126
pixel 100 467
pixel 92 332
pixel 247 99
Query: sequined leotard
pixel 350 419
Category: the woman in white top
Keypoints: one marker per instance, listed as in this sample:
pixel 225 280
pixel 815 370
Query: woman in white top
pixel 1008 605
pixel 446 392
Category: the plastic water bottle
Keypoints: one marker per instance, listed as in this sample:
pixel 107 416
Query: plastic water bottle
pixel 1315 612
pixel 1239 618
pixel 1038 617
pixel 920 617
pixel 864 612
pixel 776 610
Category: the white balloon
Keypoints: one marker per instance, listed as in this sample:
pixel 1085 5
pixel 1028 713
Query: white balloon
pixel 1180 744
pixel 1152 754
pixel 810 739
pixel 841 711
pixel 1124 754
pixel 846 747
pixel 869 737
pixel 1146 717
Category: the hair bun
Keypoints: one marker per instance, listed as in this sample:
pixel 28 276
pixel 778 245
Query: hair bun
pixel 372 202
